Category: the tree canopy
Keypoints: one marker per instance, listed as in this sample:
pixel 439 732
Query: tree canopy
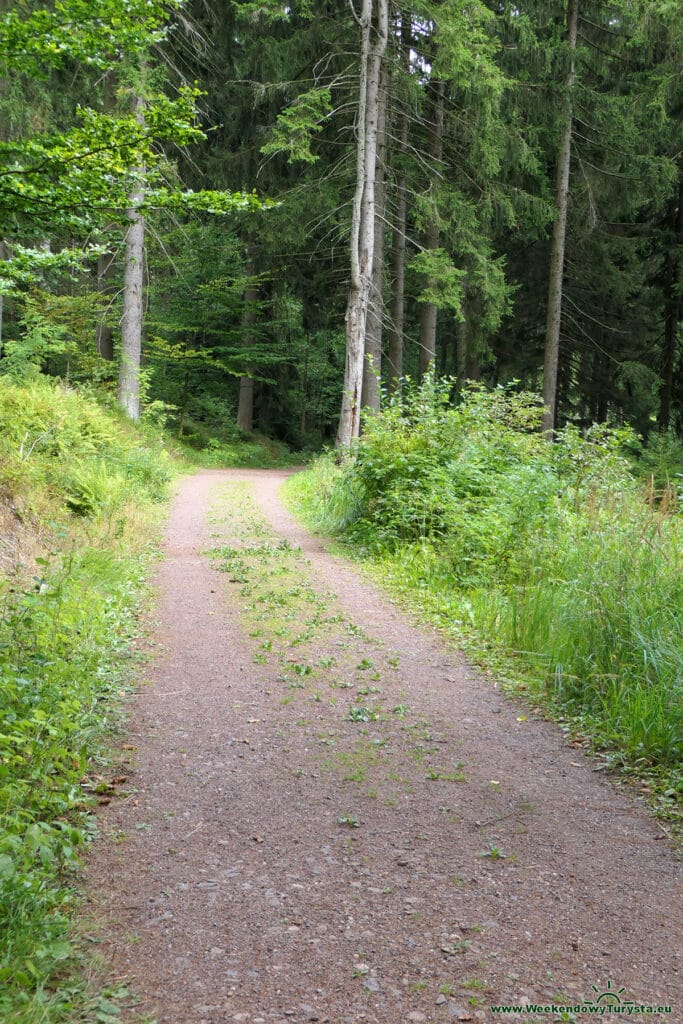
pixel 329 197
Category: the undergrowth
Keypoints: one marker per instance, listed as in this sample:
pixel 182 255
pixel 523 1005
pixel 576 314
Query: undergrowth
pixel 234 449
pixel 61 450
pixel 548 555
pixel 80 488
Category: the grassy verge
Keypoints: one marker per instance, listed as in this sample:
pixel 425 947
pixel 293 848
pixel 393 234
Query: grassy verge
pixel 544 561
pixel 81 495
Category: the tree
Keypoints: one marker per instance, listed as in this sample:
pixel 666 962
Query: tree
pixel 108 167
pixel 372 367
pixel 482 99
pixel 436 90
pixel 245 405
pixel 133 283
pixel 557 252
pixel 373 22
pixel 395 337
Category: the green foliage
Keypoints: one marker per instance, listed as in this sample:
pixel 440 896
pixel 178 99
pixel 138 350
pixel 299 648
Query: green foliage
pixel 60 643
pixel 25 265
pixel 426 469
pixel 297 125
pixel 65 624
pixel 245 450
pixel 466 44
pixel 444 284
pixel 57 446
pixel 40 338
pixel 661 464
pixel 53 333
pixel 77 179
pixel 547 551
pixel 98 32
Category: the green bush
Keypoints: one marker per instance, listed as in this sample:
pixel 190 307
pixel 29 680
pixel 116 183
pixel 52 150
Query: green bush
pixel 549 551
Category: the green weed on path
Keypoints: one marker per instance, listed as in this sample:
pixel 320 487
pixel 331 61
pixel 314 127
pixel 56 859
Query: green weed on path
pixel 545 561
pixel 329 671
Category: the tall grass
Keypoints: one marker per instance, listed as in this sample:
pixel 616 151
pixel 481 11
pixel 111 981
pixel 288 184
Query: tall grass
pixel 79 485
pixel 548 552
pixel 605 615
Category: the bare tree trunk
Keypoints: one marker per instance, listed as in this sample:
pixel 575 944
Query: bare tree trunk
pixel 133 281
pixel 245 405
pixel 304 392
pixel 185 394
pixel 106 263
pixel 372 365
pixel 395 341
pixel 672 305
pixel 428 311
pixel 104 338
pixel 373 46
pixel 468 341
pixel 554 316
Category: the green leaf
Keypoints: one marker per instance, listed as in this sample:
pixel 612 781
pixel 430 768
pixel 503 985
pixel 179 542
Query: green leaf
pixel 7 867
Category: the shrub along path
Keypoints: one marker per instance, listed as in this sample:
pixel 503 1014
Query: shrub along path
pixel 331 817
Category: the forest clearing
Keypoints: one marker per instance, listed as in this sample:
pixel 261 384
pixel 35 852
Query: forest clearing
pixel 341 475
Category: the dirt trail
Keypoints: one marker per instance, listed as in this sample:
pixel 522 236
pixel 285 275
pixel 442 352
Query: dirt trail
pixel 331 817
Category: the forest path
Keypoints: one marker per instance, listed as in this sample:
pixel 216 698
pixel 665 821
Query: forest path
pixel 331 817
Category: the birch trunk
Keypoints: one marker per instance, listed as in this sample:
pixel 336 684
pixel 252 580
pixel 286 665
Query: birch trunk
pixel 373 45
pixel 133 281
pixel 554 315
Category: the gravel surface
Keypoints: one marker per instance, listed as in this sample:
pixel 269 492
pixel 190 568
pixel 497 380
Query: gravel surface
pixel 331 817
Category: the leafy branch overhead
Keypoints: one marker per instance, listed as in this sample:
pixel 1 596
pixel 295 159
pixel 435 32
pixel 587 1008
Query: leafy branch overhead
pixel 100 33
pixel 298 124
pixel 445 281
pixel 74 179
